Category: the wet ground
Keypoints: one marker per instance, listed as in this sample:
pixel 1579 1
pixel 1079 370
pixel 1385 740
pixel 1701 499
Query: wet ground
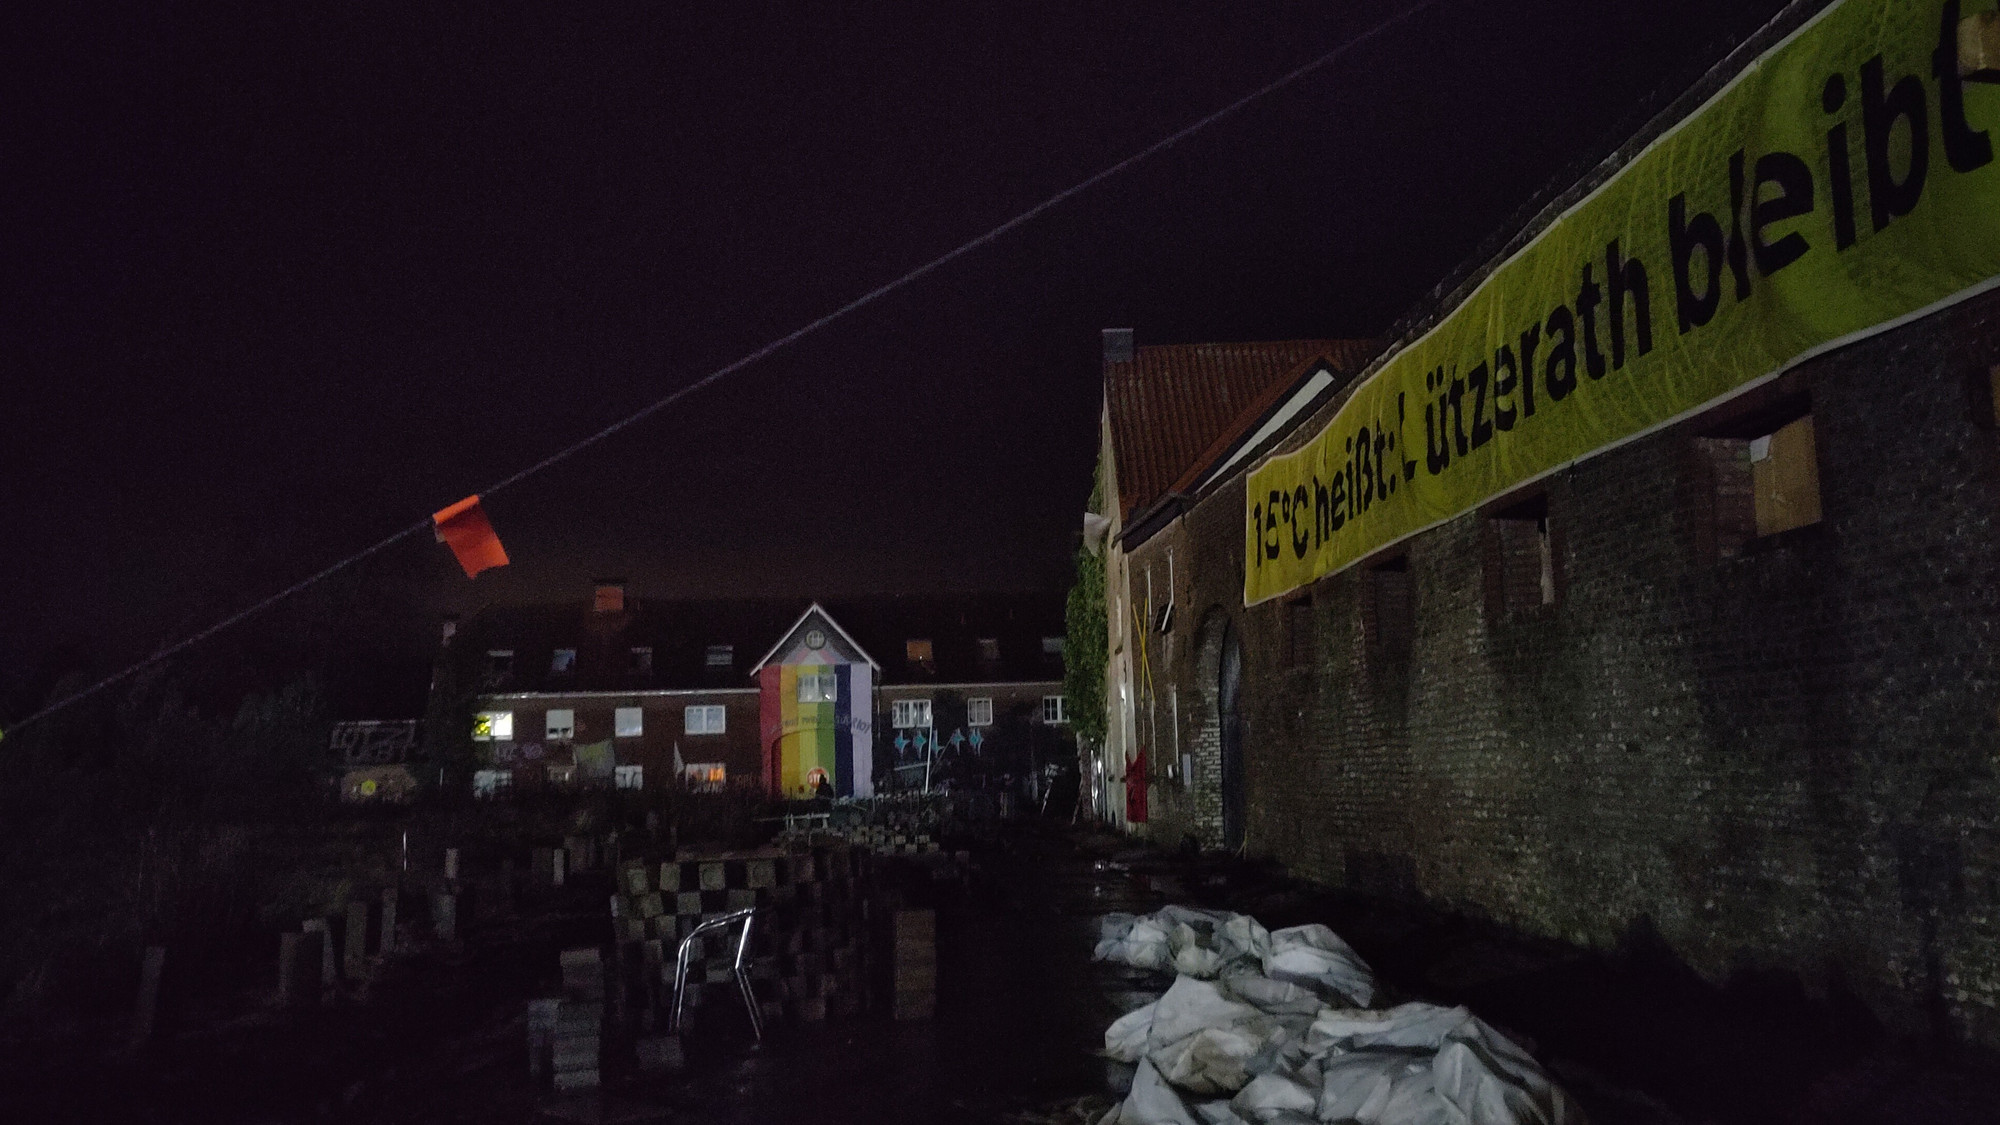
pixel 440 1035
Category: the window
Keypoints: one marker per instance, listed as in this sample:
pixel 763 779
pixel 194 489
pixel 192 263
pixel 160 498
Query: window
pixel 628 777
pixel 450 629
pixel 1299 631
pixel 1784 477
pixel 918 653
pixel 910 713
pixel 608 597
pixel 706 777
pixel 709 719
pixel 1390 620
pixel 1052 646
pixel 493 726
pixel 1054 709
pixel 1524 559
pixel 721 656
pixel 819 687
pixel 642 660
pixel 561 724
pixel 979 712
pixel 563 662
pixel 500 661
pixel 989 650
pixel 1762 476
pixel 628 722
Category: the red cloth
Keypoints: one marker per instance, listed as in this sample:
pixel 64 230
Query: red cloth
pixel 1135 789
pixel 463 527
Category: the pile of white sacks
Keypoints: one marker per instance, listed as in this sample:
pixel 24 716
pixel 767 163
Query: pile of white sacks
pixel 1262 1027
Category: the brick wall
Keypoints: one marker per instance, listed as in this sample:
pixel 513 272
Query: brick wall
pixel 1780 753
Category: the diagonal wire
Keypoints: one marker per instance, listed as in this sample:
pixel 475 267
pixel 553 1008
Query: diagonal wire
pixel 765 352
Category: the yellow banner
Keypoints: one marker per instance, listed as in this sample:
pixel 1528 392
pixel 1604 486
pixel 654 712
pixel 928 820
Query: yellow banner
pixel 1845 181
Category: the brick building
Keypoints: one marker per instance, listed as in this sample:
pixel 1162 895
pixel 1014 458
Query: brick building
pixel 1731 681
pixel 769 694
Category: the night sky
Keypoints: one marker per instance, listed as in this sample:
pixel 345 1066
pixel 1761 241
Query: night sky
pixel 283 278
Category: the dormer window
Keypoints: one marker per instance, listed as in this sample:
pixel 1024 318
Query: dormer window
pixel 918 653
pixel 721 656
pixel 642 660
pixel 608 596
pixel 499 661
pixel 563 662
pixel 989 650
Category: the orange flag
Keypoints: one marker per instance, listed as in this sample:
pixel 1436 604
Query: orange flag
pixel 464 528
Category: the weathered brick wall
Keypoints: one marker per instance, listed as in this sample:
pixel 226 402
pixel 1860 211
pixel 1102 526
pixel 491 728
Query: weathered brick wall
pixel 1780 758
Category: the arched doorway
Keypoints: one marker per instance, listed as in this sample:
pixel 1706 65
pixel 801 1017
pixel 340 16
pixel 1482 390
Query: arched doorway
pixel 1228 693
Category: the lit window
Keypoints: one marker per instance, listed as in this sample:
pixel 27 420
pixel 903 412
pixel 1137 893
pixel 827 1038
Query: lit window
pixel 918 653
pixel 500 661
pixel 1053 709
pixel 707 777
pixel 1052 646
pixel 629 722
pixel 561 724
pixel 721 656
pixel 989 649
pixel 819 687
pixel 493 726
pixel 608 597
pixel 979 712
pixel 628 777
pixel 910 713
pixel 708 719
pixel 642 660
pixel 563 662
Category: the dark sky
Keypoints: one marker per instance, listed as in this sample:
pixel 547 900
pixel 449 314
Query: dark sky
pixel 282 278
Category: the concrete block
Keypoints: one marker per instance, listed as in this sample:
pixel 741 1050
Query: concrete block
pixel 299 968
pixel 451 863
pixel 354 950
pixel 444 916
pixel 389 898
pixel 148 1006
pixel 328 972
pixel 713 877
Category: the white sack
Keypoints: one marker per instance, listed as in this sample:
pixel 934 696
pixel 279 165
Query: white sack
pixel 1315 957
pixel 1129 1035
pixel 1415 1025
pixel 1492 1081
pixel 1270 1096
pixel 1153 1102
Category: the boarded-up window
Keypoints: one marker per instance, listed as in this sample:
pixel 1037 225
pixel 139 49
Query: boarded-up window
pixel 1393 619
pixel 1784 477
pixel 1299 632
pixel 1524 557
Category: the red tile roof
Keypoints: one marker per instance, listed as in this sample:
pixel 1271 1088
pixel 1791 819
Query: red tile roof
pixel 1173 403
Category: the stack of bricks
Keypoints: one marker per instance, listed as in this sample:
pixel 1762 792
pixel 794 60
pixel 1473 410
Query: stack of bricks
pixel 578 1041
pixel 807 958
pixel 914 963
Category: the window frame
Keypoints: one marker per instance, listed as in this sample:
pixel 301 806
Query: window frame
pixel 559 666
pixel 903 714
pixel 549 729
pixel 1059 704
pixel 719 656
pixel 974 706
pixel 638 717
pixel 717 711
pixel 824 687
pixel 505 719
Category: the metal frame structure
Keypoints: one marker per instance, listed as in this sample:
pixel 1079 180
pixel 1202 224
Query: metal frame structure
pixel 681 959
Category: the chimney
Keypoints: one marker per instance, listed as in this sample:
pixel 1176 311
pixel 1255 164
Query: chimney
pixel 1117 346
pixel 610 595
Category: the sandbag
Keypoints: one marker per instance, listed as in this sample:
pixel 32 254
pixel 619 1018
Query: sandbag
pixel 1314 957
